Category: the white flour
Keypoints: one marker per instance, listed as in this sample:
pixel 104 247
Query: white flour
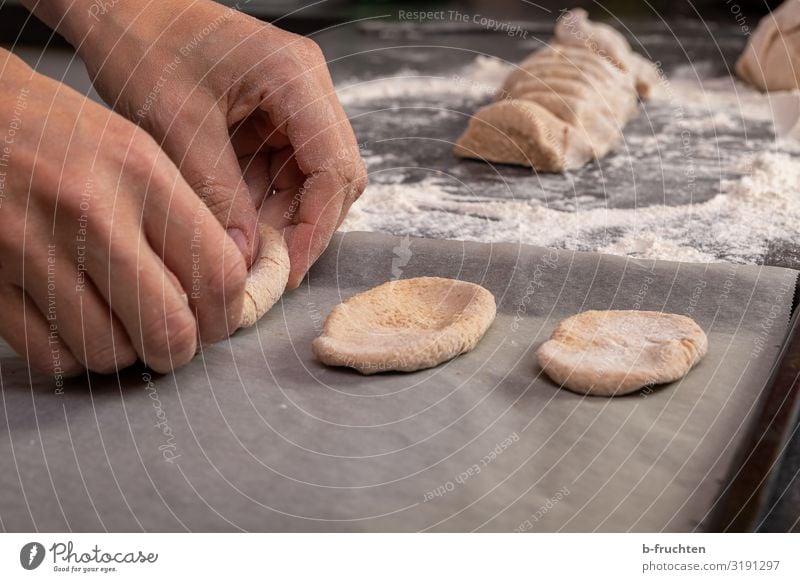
pixel 478 81
pixel 736 225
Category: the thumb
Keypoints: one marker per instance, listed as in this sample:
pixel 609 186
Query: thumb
pixel 208 163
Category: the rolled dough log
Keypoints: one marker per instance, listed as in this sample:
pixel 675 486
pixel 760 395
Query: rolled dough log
pixel 575 57
pixel 771 59
pixel 267 278
pixel 566 104
pixel 405 325
pixel 518 131
pixel 607 353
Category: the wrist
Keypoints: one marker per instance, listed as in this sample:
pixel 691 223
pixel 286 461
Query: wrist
pixel 97 25
pixel 70 18
pixel 13 68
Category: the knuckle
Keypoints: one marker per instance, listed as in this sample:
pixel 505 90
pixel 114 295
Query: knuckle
pixel 142 152
pixel 73 199
pixel 111 249
pixel 217 198
pixel 226 281
pixel 361 179
pixel 144 158
pixel 353 180
pixel 310 50
pixel 169 340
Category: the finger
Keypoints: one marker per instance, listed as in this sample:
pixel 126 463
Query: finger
pixel 76 310
pixel 199 143
pixel 321 156
pixel 285 176
pixel 154 311
pixel 349 140
pixel 105 345
pixel 193 245
pixel 202 262
pixel 28 333
pixel 316 220
pixel 354 193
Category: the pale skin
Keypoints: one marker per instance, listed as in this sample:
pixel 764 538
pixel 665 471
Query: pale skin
pixel 127 235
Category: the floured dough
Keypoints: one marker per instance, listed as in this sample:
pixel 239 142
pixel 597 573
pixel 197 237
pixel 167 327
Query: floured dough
pixel 606 353
pixel 405 325
pixel 564 105
pixel 771 59
pixel 267 278
pixel 518 131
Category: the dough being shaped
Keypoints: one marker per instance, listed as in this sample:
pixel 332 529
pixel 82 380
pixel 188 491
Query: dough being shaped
pixel 405 325
pixel 267 278
pixel 607 353
pixel 771 59
pixel 565 104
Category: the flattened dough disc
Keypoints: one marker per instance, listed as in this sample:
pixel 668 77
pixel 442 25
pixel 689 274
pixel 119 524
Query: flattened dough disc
pixel 267 278
pixel 608 353
pixel 406 325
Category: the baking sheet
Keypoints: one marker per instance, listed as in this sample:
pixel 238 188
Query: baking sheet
pixel 256 435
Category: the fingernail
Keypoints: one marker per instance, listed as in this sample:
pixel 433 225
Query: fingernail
pixel 240 240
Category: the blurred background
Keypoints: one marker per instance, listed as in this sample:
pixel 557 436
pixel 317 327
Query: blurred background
pixel 305 16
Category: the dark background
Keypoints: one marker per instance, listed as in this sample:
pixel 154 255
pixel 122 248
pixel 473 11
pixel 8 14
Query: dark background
pixel 306 16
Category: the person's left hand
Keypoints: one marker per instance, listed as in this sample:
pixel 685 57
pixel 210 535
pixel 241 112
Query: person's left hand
pixel 231 97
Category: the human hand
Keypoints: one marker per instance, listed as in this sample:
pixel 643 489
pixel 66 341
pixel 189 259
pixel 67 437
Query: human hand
pixel 246 110
pixel 106 254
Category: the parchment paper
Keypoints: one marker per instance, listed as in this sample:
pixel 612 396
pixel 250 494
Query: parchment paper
pixel 256 435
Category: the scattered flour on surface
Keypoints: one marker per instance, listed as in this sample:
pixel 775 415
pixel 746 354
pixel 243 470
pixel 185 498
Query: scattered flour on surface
pixel 736 225
pixel 478 80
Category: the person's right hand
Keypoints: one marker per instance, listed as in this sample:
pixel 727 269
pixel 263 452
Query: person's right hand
pixel 106 253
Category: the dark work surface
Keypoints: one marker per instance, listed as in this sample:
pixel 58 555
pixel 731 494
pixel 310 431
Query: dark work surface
pixel 364 52
pixel 382 50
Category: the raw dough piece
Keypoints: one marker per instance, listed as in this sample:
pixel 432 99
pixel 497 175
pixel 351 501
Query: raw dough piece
pixel 575 57
pixel 267 278
pixel 565 104
pixel 771 59
pixel 575 29
pixel 516 131
pixel 607 353
pixel 648 78
pixel 405 325
pixel 785 107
